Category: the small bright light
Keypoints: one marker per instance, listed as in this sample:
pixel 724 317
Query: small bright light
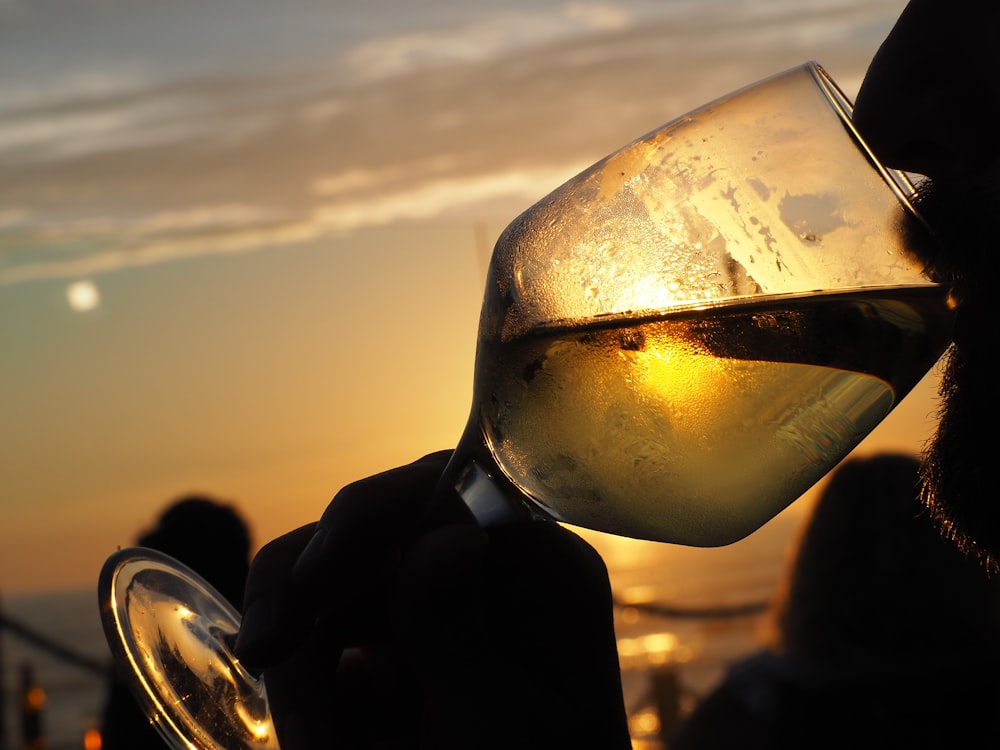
pixel 653 648
pixel 83 296
pixel 661 643
pixel 35 698
pixel 92 740
pixel 261 730
pixel 644 722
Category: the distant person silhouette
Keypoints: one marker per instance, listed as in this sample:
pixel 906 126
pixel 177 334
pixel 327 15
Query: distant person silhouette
pixel 885 635
pixel 211 538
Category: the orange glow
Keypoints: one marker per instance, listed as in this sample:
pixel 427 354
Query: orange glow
pixel 630 615
pixel 652 648
pixel 644 722
pixel 34 699
pixel 92 740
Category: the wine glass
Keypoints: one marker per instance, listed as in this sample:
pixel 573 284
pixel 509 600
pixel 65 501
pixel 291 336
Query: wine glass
pixel 674 345
pixel 682 339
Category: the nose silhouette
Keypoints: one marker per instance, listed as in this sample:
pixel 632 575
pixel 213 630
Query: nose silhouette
pixel 930 101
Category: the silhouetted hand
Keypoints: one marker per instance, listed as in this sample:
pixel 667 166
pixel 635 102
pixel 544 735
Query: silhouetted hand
pixel 375 632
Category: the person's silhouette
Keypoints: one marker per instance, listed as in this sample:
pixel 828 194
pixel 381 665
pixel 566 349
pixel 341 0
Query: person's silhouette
pixel 883 632
pixel 211 538
pixel 928 105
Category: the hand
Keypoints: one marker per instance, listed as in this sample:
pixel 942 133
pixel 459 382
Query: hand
pixel 374 632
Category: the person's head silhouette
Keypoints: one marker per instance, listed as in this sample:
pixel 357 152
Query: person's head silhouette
pixel 886 634
pixel 208 536
pixel 873 579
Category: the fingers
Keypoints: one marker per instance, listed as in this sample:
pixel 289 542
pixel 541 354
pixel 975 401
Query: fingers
pixel 510 634
pixel 335 570
pixel 438 615
pixel 299 689
pixel 376 631
pixel 551 614
pixel 276 613
pixel 367 523
pixel 438 607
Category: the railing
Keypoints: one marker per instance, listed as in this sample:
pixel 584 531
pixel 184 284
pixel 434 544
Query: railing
pixel 31 694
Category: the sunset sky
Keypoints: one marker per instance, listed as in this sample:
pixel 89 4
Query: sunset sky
pixel 249 261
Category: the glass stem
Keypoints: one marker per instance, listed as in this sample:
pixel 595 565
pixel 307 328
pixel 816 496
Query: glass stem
pixel 487 492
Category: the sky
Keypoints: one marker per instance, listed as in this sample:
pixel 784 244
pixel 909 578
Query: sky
pixel 243 253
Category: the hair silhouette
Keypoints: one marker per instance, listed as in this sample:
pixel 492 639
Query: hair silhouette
pixel 873 582
pixel 208 536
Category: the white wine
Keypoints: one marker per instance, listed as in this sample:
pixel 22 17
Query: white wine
pixel 696 427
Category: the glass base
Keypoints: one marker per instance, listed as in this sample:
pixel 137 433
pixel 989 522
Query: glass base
pixel 171 632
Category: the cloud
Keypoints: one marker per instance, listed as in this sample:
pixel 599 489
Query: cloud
pixel 236 228
pixel 503 34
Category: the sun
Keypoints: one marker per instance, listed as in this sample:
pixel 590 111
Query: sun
pixel 83 296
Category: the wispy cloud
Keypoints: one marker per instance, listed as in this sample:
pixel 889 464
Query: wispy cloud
pixel 400 54
pixel 236 228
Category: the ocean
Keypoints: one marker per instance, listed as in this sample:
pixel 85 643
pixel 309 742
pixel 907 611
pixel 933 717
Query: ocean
pixel 242 246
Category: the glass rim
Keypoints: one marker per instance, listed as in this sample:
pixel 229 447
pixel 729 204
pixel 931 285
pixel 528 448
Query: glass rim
pixel 897 180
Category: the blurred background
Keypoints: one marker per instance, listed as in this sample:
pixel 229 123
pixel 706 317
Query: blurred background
pixel 242 252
